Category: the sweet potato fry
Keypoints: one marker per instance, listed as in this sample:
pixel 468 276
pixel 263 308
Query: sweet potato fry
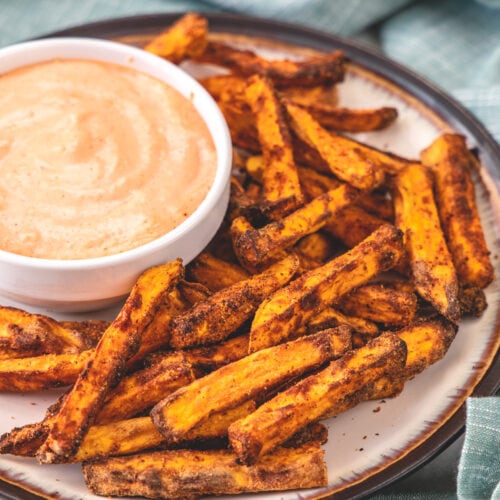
pixel 91 330
pixel 192 473
pixel 350 120
pixel 156 334
pixel 427 343
pixel 133 435
pixel 214 319
pixel 248 378
pixel 381 303
pixel 143 389
pixel 309 399
pixel 348 163
pixel 322 94
pixel 431 264
pixel 23 335
pixel 353 225
pixel 256 247
pixel 215 273
pixel 42 372
pixel 118 343
pixel 186 38
pixel 331 317
pixel 317 70
pixel 316 246
pixel 280 181
pixel 452 164
pixel 208 358
pixel 294 305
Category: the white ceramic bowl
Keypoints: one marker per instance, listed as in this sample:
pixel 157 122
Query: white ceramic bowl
pixel 86 284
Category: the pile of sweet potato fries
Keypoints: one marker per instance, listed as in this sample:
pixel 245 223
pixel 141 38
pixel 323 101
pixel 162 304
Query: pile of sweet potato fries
pixel 339 273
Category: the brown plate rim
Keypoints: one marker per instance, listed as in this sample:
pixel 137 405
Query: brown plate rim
pixel 424 91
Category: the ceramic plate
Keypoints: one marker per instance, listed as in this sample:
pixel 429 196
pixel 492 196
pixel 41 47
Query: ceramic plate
pixel 379 441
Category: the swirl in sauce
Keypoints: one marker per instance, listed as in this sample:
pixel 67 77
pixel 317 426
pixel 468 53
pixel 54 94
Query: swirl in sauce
pixel 96 159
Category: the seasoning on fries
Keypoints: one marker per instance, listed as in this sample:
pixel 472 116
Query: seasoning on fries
pixel 335 278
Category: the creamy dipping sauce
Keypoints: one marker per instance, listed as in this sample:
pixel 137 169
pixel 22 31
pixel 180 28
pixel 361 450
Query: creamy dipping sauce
pixel 96 159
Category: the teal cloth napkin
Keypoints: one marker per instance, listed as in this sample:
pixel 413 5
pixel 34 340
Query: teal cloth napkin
pixel 479 469
pixel 454 43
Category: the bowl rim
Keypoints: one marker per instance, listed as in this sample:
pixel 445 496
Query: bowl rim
pixel 193 90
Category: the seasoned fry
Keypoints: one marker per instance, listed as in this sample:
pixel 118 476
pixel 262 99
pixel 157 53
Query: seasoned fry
pixel 118 343
pixel 138 434
pixel 331 317
pixel 156 334
pixel 308 400
pixel 215 318
pixel 323 94
pixel 427 342
pixel 472 301
pixel 294 305
pixel 25 335
pixel 211 357
pixel 256 247
pixel 350 120
pixel 318 70
pixel 144 388
pixel 431 264
pixel 192 473
pixel 381 303
pixel 280 181
pixel 248 378
pixel 215 273
pixel 185 38
pixel 91 330
pixel 348 163
pixel 353 225
pixel 316 246
pixel 452 164
pixel 42 372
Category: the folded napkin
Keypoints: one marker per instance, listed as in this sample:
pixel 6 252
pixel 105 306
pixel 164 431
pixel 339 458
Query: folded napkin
pixel 479 469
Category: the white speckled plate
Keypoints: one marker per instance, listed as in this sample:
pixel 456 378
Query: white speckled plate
pixel 376 442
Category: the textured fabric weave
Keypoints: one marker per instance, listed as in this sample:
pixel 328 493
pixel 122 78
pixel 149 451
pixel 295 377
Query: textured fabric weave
pixel 479 470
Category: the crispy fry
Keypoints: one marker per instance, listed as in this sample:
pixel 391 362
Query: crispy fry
pixel 248 378
pixel 313 183
pixel 348 163
pixel 186 38
pixel 215 273
pixel 118 343
pixel 42 372
pixel 209 358
pixel 156 334
pixel 318 70
pixel 472 301
pixel 350 120
pixel 25 335
pixel 377 204
pixel 256 247
pixel 316 246
pixel 322 94
pixel 192 473
pixel 431 264
pixel 331 317
pixel 452 164
pixel 427 342
pixel 353 225
pixel 281 187
pixel 214 319
pixel 381 303
pixel 91 330
pixel 294 305
pixel 138 434
pixel 307 401
pixel 143 389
